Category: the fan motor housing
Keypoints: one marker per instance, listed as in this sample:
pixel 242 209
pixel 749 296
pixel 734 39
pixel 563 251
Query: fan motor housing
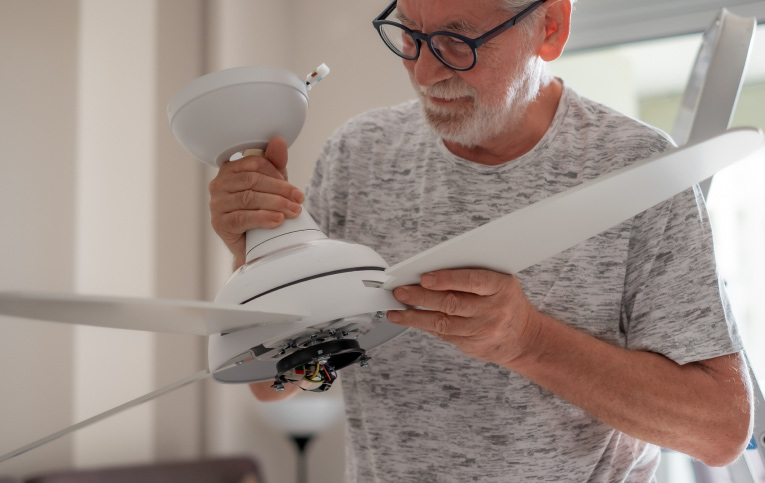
pixel 336 284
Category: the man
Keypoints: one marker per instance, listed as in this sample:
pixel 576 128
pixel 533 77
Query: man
pixel 578 368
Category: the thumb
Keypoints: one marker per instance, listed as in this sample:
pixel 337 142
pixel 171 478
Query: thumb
pixel 276 152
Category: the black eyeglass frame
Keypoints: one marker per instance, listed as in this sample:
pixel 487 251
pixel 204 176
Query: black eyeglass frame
pixel 419 37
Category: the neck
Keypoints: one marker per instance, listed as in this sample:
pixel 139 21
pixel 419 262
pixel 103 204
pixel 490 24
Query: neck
pixel 513 144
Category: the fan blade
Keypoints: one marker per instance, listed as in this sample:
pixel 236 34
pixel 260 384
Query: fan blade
pixel 111 412
pixel 153 315
pixel 529 235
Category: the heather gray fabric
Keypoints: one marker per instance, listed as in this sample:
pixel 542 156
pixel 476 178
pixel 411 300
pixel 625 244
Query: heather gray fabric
pixel 424 412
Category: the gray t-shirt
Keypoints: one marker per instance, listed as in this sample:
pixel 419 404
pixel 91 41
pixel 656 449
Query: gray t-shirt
pixel 423 411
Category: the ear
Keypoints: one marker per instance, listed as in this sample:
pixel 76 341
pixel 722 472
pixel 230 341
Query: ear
pixel 557 23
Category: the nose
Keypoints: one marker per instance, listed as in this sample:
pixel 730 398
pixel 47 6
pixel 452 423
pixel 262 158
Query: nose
pixel 427 70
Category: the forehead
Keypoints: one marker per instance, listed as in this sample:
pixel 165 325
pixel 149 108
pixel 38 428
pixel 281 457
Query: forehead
pixel 430 15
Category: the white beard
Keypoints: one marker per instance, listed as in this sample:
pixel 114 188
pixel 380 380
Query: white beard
pixel 487 119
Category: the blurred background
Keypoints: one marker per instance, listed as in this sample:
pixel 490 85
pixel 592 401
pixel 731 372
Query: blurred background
pixel 97 197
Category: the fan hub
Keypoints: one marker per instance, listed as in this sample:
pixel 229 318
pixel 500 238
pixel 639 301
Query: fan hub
pixel 336 284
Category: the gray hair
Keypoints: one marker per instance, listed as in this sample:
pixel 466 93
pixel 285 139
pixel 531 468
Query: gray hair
pixel 513 7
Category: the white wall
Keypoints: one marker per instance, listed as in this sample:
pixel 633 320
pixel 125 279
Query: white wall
pixel 139 198
pixel 38 85
pixel 115 251
pixel 179 224
pixel 97 198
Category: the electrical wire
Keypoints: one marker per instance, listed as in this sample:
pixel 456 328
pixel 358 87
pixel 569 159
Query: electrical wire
pixel 313 377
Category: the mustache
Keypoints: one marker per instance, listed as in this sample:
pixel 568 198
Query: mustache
pixel 453 88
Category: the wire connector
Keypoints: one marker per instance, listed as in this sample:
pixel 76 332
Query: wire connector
pixel 316 76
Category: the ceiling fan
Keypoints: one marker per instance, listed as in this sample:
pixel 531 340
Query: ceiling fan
pixel 304 306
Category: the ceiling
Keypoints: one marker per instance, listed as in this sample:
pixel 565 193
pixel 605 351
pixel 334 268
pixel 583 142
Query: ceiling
pixel 662 66
pixel 600 23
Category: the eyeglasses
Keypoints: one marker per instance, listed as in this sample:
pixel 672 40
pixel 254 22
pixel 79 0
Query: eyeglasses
pixel 453 50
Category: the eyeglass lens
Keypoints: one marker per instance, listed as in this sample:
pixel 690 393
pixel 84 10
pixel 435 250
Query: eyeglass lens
pixel 451 50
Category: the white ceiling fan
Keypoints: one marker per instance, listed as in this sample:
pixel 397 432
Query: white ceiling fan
pixel 303 302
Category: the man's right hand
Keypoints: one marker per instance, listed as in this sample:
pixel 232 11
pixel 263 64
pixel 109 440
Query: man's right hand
pixel 252 192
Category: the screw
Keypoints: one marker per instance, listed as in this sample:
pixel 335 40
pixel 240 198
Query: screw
pixel 364 362
pixel 278 386
pixel 239 363
pixel 379 315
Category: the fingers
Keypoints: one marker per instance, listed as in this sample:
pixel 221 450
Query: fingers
pixel 253 183
pixel 458 302
pixel 235 213
pixel 276 152
pixel 485 314
pixel 256 201
pixel 250 164
pixel 230 226
pixel 253 192
pixel 252 200
pixel 479 282
pixel 433 322
pixel 448 302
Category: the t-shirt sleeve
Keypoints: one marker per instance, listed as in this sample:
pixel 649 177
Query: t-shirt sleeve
pixel 674 304
pixel 317 202
pixel 326 193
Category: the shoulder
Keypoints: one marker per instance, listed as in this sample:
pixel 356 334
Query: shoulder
pixel 607 128
pixel 588 139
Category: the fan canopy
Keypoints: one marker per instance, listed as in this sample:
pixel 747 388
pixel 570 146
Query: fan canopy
pixel 226 112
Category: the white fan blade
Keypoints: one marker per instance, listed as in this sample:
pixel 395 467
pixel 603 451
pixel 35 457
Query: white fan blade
pixel 527 236
pixel 135 402
pixel 153 315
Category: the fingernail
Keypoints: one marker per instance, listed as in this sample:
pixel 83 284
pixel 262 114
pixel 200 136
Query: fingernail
pixel 394 316
pixel 298 196
pixel 427 280
pixel 294 207
pixel 401 294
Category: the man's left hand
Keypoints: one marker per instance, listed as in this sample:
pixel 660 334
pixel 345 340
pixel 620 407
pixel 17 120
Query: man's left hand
pixel 484 313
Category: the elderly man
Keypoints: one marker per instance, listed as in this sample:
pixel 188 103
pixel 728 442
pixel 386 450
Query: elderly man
pixel 580 367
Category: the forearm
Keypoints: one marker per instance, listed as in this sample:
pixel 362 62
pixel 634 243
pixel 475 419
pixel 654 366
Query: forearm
pixel 264 392
pixel 703 409
pixel 643 394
